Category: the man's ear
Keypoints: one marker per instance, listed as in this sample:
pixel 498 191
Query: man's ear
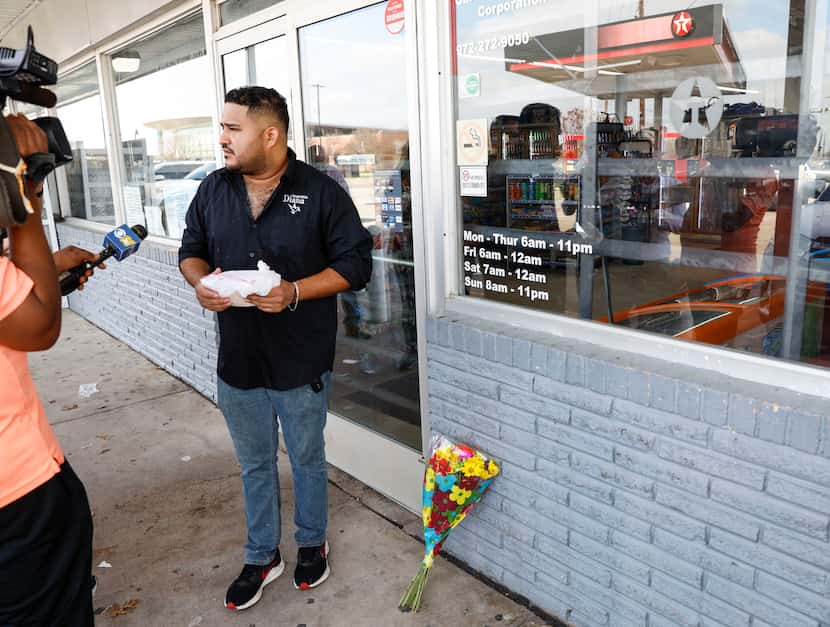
pixel 272 136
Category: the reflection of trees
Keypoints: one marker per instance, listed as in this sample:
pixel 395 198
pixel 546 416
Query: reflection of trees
pixel 384 144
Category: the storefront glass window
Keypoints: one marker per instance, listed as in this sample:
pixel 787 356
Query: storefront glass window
pixel 353 71
pixel 88 174
pixel 164 109
pixel 233 10
pixel 650 164
pixel 235 66
pixel 263 64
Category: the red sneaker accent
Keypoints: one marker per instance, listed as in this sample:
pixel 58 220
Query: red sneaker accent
pixel 305 586
pixel 265 573
pixel 230 606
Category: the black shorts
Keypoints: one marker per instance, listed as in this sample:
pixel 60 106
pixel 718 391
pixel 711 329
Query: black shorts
pixel 46 556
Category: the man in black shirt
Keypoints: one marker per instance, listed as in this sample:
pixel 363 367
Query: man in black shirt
pixel 276 357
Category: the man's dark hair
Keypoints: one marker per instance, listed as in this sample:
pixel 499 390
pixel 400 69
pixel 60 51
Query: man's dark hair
pixel 260 100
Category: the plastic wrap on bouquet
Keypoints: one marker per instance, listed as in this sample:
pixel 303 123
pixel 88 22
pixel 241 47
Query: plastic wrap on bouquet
pixel 456 478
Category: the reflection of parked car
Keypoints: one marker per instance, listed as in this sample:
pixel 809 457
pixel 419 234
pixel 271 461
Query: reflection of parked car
pixel 167 170
pixel 716 313
pixel 173 189
pixel 185 185
pixel 174 194
pixel 741 312
pixel 201 173
pixel 815 216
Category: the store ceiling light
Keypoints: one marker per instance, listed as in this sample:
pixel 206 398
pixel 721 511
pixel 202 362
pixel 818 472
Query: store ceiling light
pixel 126 62
pixel 621 64
pixel 602 69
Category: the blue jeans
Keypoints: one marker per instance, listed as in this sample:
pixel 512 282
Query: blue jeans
pixel 252 416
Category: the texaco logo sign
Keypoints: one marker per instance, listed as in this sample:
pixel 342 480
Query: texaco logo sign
pixel 682 24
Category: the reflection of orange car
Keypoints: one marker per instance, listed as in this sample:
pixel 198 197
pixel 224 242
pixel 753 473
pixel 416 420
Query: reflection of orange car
pixel 717 313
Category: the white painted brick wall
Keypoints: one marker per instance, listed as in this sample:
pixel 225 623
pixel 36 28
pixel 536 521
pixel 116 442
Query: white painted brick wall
pixel 636 494
pixel 144 302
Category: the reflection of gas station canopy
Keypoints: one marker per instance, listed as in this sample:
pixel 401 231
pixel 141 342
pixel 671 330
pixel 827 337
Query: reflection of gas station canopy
pixel 175 124
pixel 652 54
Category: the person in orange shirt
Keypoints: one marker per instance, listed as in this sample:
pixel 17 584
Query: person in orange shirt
pixel 45 520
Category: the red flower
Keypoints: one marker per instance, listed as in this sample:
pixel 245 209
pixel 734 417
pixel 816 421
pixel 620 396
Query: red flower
pixel 442 503
pixel 440 466
pixel 468 483
pixel 439 523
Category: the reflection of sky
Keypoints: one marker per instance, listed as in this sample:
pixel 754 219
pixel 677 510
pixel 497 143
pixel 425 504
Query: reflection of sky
pixel 758 29
pixel 362 68
pixel 83 122
pixel 180 91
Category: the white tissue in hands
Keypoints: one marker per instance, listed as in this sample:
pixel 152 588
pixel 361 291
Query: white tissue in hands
pixel 239 284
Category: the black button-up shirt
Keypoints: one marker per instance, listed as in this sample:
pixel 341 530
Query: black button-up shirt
pixel 309 224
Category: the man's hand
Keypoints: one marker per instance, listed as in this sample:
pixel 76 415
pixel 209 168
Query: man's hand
pixel 209 299
pixel 27 135
pixel 277 299
pixel 71 256
pixel 29 139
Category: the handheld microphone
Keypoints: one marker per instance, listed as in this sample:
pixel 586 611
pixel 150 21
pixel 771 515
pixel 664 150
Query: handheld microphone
pixel 120 243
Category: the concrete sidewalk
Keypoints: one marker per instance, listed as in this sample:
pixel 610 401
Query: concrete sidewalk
pixel 164 487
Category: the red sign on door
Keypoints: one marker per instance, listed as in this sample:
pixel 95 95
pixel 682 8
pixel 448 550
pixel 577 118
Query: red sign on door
pixel 394 16
pixel 682 24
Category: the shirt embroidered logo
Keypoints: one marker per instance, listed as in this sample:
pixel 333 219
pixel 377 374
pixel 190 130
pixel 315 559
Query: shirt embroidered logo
pixel 294 201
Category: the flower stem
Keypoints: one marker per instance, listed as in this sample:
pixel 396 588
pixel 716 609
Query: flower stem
pixel 411 600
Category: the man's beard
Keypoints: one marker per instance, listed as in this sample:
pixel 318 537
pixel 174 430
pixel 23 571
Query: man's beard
pixel 242 168
pixel 239 169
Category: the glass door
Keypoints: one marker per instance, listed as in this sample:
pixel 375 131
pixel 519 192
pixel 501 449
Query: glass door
pixel 346 79
pixel 353 71
pixel 264 63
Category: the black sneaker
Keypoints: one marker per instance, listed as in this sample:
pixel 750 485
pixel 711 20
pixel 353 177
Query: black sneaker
pixel 312 567
pixel 246 590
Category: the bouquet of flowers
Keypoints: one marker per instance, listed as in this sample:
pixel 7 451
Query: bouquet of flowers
pixel 455 480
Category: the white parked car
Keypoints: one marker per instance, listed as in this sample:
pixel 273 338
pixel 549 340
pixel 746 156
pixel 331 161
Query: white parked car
pixel 174 193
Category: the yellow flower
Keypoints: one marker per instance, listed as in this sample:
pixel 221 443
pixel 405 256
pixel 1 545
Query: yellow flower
pixel 429 480
pixel 473 467
pixel 460 496
pixel 426 515
pixel 491 471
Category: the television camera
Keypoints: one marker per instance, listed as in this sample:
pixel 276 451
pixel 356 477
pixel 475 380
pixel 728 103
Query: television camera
pixel 23 74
